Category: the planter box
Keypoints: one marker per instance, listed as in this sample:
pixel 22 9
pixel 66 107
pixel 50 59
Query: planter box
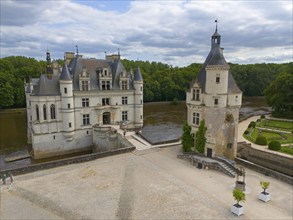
pixel 264 197
pixel 237 209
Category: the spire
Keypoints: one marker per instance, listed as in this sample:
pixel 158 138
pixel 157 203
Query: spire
pixel 65 75
pixel 118 54
pixel 137 75
pixel 216 37
pixel 48 64
pixel 76 50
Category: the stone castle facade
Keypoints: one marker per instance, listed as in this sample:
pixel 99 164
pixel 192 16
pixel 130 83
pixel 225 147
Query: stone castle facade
pixel 215 97
pixel 64 107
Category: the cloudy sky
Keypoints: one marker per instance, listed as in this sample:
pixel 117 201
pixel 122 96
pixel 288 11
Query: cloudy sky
pixel 174 32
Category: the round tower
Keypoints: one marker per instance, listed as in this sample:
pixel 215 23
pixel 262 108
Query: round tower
pixel 138 98
pixel 67 104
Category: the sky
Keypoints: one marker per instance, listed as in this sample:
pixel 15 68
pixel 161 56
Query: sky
pixel 175 32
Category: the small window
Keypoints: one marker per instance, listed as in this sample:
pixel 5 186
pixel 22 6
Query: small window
pixel 68 105
pixel 216 101
pixel 218 78
pixel 37 113
pixel 52 111
pixel 54 137
pixel 193 94
pixel 86 119
pixel 124 100
pixel 141 101
pixel 229 145
pixel 45 112
pixel 124 116
pixel 105 101
pixel 87 132
pixel 65 90
pixel 84 85
pixel 85 102
pixel 141 88
pixel 140 116
pixel 124 85
pixel 195 118
pixel 69 124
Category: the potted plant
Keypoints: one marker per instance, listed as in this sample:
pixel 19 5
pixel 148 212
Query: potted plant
pixel 239 196
pixel 264 196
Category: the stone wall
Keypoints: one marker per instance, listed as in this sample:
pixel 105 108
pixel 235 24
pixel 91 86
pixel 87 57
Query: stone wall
pixel 62 162
pixel 265 171
pixel 271 160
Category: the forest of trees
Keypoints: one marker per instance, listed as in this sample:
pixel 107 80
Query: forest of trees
pixel 162 82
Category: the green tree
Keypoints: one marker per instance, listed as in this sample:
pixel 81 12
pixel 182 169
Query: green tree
pixel 264 185
pixel 6 90
pixel 279 95
pixel 200 137
pixel 187 139
pixel 239 196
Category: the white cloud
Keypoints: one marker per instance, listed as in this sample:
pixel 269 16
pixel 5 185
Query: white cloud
pixel 175 32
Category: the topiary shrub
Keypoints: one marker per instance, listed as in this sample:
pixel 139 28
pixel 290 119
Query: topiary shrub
pixel 246 132
pixel 261 140
pixel 275 145
pixel 262 116
pixel 252 124
pixel 258 120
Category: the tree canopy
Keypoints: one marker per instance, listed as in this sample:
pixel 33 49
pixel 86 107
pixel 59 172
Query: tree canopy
pixel 162 82
pixel 279 95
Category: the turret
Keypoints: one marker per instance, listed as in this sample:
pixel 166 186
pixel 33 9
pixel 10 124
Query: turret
pixel 67 103
pixel 138 100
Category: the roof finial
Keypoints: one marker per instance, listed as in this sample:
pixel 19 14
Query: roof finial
pixel 118 54
pixel 216 21
pixel 76 50
pixel 105 54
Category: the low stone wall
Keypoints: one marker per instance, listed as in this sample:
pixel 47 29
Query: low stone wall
pixel 67 161
pixel 264 170
pixel 271 160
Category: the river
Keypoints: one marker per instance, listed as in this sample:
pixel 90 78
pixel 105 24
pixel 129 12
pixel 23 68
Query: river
pixel 162 122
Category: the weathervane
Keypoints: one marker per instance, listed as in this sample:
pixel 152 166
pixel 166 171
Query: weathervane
pixel 216 21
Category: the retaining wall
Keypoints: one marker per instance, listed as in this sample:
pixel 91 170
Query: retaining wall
pixel 271 160
pixel 62 162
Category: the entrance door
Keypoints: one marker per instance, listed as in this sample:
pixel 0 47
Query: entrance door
pixel 106 118
pixel 209 152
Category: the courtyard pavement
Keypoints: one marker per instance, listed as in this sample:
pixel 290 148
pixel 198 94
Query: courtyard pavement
pixel 150 185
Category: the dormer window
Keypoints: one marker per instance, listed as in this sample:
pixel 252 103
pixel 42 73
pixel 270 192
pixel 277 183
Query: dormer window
pixel 195 94
pixel 124 85
pixel 106 85
pixel 105 72
pixel 84 85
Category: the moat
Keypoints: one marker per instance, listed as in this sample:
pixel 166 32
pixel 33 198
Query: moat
pixel 162 122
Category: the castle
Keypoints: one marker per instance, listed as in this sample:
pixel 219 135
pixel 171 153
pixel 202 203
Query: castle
pixel 65 107
pixel 215 98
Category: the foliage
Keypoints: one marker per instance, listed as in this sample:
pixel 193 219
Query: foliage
pixel 162 82
pixel 200 137
pixel 261 140
pixel 287 150
pixel 246 132
pixel 175 101
pixel 262 116
pixel 239 196
pixel 187 139
pixel 252 124
pixel 264 185
pixel 279 95
pixel 275 145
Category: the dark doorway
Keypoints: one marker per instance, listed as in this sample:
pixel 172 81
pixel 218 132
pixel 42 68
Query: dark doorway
pixel 106 118
pixel 209 152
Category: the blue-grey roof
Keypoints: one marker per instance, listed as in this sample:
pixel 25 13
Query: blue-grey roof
pixel 47 86
pixel 91 65
pixel 137 75
pixel 65 75
pixel 216 58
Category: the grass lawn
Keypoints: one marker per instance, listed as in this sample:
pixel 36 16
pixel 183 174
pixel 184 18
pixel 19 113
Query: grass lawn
pixel 287 150
pixel 283 125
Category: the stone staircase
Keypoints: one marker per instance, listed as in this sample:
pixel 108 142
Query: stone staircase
pixel 221 164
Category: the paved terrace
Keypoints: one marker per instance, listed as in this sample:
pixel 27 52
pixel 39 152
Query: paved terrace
pixel 151 185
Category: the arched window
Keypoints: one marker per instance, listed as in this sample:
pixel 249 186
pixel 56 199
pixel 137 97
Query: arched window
pixel 37 113
pixel 52 111
pixel 45 112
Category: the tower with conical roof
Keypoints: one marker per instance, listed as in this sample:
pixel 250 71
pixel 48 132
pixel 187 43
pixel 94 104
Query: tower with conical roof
pixel 138 98
pixel 67 103
pixel 215 98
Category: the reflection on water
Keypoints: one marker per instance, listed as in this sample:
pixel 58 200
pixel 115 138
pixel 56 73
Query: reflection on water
pixel 162 121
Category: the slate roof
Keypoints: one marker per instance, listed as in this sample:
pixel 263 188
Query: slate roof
pixel 47 86
pixel 65 75
pixel 216 58
pixel 137 75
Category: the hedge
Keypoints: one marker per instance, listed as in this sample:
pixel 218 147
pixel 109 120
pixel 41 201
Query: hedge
pixel 275 145
pixel 261 140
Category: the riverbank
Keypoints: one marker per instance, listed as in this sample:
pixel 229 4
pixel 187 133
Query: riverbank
pixel 154 185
